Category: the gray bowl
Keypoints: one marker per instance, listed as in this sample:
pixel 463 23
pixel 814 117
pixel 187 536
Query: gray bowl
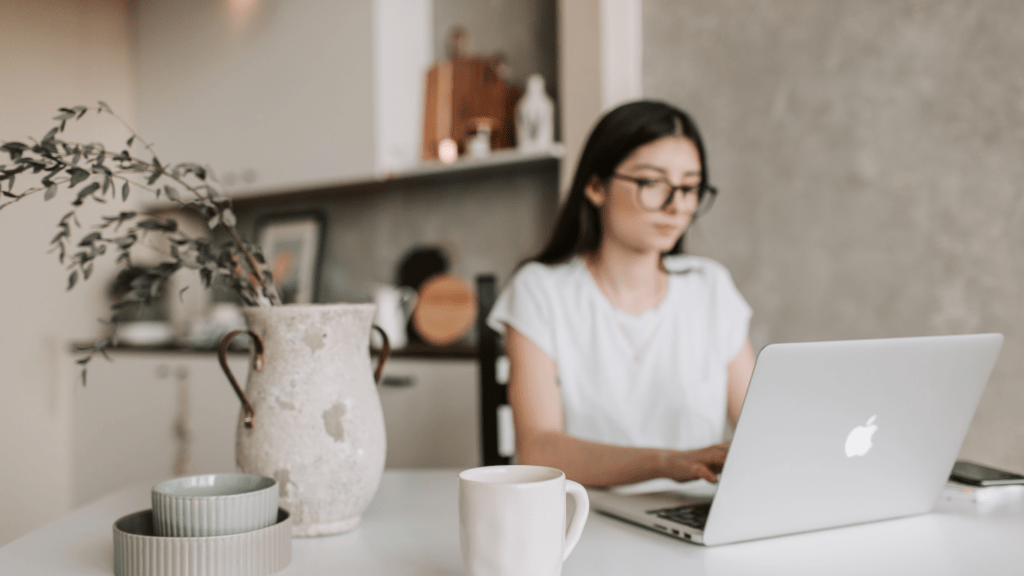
pixel 138 551
pixel 214 505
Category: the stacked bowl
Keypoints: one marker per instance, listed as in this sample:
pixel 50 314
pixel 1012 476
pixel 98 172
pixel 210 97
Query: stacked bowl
pixel 213 524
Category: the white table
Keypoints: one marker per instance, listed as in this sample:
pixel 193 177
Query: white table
pixel 412 528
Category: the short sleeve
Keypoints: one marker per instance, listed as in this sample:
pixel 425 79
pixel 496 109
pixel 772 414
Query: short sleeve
pixel 524 304
pixel 732 313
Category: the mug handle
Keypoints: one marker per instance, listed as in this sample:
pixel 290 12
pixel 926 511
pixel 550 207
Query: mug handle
pixel 257 365
pixel 579 515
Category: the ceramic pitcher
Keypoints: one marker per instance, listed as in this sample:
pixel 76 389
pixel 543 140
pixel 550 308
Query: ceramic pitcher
pixel 311 415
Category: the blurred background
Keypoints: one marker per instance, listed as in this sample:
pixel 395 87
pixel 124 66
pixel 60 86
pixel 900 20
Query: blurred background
pixel 869 157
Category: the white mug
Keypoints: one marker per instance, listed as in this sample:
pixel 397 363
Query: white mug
pixel 394 305
pixel 512 520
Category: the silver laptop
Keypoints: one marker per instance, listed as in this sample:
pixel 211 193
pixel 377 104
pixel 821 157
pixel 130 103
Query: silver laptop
pixel 831 434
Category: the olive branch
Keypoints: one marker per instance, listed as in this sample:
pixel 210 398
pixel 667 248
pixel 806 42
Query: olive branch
pixel 93 174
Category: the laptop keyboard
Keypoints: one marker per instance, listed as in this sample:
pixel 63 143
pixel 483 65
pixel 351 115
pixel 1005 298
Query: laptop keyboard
pixel 695 515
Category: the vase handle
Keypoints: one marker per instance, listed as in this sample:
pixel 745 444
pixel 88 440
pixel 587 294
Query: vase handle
pixel 257 365
pixel 385 351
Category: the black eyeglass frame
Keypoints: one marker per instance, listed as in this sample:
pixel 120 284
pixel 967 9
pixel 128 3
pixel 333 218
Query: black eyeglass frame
pixel 703 190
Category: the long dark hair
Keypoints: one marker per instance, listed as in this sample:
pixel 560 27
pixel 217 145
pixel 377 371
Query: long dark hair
pixel 620 132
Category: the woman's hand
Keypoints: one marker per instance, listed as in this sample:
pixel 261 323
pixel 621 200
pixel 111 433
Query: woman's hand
pixel 704 463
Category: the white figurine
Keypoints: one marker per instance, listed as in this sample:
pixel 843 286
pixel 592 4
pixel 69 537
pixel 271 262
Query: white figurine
pixel 535 117
pixel 480 143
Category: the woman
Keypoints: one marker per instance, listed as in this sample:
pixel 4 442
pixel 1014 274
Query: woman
pixel 627 356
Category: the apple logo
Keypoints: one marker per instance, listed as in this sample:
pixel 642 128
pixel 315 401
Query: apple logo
pixel 859 441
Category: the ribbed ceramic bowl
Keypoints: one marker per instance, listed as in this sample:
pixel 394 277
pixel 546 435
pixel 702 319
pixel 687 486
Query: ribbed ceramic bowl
pixel 214 505
pixel 138 551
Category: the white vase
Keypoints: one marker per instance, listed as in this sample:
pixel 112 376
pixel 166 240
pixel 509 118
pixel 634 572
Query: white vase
pixel 311 416
pixel 535 118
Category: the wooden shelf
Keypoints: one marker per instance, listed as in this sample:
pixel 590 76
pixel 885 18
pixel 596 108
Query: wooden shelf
pixel 496 163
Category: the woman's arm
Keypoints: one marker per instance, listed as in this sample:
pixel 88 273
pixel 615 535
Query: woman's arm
pixel 540 439
pixel 740 369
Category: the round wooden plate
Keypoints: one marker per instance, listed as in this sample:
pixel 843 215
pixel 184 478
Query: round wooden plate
pixel 445 310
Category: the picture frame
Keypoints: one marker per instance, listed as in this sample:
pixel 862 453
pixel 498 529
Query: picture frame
pixel 292 246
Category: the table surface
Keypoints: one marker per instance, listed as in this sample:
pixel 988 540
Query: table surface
pixel 412 528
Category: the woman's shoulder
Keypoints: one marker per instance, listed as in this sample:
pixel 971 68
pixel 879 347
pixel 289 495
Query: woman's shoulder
pixel 691 264
pixel 535 273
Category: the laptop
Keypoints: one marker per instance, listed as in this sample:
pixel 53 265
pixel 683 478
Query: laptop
pixel 831 434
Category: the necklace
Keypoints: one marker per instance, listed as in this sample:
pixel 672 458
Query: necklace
pixel 638 350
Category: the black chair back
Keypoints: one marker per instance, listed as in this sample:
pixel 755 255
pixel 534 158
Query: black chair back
pixel 493 395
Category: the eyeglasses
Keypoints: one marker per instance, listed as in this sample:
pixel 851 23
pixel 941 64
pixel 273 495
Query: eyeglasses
pixel 656 194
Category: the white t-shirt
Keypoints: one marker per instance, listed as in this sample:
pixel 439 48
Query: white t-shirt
pixel 657 379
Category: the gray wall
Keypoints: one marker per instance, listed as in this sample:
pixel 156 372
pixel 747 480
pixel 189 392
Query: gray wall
pixel 870 157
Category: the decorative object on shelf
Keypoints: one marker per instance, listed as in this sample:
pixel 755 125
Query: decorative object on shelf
pixel 320 431
pixel 146 333
pixel 447 151
pixel 535 118
pixel 462 88
pixel 315 422
pixel 479 144
pixel 445 311
pixel 291 245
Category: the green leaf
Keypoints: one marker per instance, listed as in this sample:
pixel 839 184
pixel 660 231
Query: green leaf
pixel 14 149
pixel 154 224
pixel 8 146
pixel 77 175
pixel 72 279
pixel 50 134
pixel 172 193
pixel 130 140
pixel 48 179
pixel 87 271
pixel 88 240
pixel 51 191
pixel 85 192
pixel 105 107
pixel 124 192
